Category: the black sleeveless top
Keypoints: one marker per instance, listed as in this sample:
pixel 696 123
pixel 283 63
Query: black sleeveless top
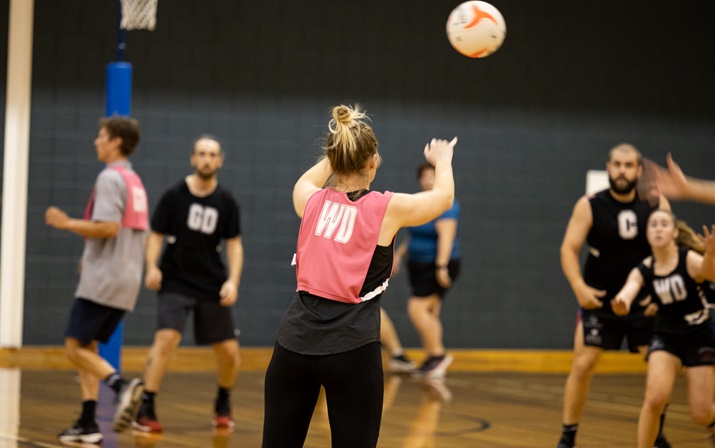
pixel 617 243
pixel 681 301
pixel 313 325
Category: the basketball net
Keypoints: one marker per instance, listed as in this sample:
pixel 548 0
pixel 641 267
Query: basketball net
pixel 139 14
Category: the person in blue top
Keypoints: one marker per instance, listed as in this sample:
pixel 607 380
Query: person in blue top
pixel 433 264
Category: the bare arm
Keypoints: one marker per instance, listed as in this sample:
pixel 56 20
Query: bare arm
pixel 153 276
pixel 621 303
pixel 703 267
pixel 674 184
pixel 401 250
pixel 234 260
pixel 574 238
pixel 89 229
pixel 310 182
pixel 414 209
pixel 400 253
pixel 446 233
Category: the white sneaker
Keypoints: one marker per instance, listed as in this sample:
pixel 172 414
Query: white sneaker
pixel 401 364
pixel 434 367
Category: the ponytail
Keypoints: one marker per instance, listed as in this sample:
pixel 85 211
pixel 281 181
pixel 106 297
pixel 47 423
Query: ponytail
pixel 688 237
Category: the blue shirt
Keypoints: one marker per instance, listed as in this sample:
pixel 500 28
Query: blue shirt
pixel 423 239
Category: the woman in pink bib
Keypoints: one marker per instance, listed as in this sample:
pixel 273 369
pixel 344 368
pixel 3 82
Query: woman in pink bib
pixel 330 334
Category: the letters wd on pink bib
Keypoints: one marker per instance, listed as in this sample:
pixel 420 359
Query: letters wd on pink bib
pixel 336 243
pixel 136 210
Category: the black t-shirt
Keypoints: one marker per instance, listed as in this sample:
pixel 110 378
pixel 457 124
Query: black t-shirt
pixel 194 227
pixel 681 301
pixel 617 243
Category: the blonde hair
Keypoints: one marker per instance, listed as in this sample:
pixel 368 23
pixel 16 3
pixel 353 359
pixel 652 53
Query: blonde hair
pixel 350 141
pixel 688 237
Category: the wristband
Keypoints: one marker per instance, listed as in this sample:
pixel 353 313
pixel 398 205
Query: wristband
pixel 441 266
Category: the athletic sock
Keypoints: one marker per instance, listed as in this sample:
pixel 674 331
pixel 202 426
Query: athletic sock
pixel 89 409
pixel 115 381
pixel 223 393
pixel 569 432
pixel 222 398
pixel 148 397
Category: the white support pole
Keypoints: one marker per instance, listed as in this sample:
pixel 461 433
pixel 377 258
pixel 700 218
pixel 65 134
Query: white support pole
pixel 16 156
pixel 9 407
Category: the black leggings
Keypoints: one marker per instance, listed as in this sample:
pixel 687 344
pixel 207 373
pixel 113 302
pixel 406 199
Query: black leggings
pixel 353 383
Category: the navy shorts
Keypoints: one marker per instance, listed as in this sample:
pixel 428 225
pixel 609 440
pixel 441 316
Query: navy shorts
pixel 609 331
pixel 423 279
pixel 89 321
pixel 212 322
pixel 694 349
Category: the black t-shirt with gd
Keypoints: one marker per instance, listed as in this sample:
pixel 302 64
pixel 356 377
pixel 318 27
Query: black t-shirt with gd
pixel 194 227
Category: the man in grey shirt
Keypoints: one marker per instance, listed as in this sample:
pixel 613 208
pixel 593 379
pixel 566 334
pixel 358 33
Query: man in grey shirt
pixel 115 228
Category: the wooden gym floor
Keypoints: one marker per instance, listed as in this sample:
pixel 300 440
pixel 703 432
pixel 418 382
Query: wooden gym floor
pixel 489 399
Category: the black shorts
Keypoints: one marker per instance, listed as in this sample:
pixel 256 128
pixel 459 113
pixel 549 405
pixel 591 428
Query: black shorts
pixel 89 321
pixel 212 322
pixel 694 349
pixel 609 331
pixel 423 279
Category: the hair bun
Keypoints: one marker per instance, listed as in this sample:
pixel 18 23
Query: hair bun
pixel 343 114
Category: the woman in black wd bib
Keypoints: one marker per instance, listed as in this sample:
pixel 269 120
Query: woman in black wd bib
pixel 683 336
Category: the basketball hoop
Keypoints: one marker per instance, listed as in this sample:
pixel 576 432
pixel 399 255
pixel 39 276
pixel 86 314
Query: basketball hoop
pixel 138 14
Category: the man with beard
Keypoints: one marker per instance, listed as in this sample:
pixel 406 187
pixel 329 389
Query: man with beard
pixel 613 222
pixel 194 215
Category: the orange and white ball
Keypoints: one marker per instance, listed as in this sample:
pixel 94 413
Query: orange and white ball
pixel 476 29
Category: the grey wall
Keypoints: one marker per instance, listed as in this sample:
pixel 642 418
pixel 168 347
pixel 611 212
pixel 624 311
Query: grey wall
pixel 572 80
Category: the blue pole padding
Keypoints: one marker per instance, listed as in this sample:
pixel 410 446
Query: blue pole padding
pixel 118 102
pixel 111 350
pixel 119 88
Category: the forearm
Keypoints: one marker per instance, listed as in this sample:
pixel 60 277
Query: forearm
pixel 446 233
pixel 318 174
pixel 92 229
pixel 631 288
pixel 402 248
pixel 629 292
pixel 444 181
pixel 708 268
pixel 571 267
pixel 700 190
pixel 234 260
pixel 153 249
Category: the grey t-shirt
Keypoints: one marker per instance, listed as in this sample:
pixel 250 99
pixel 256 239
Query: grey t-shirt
pixel 112 267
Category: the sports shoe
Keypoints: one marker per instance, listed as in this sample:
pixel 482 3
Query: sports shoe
pixel 81 433
pixel 223 421
pixel 222 416
pixel 660 442
pixel 434 367
pixel 146 420
pixel 127 402
pixel 566 442
pixel 401 364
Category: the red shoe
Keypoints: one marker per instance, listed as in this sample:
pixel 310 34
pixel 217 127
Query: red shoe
pixel 146 421
pixel 223 421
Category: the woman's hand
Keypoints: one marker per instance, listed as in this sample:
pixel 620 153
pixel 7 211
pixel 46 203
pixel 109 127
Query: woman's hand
pixel 619 306
pixel 439 150
pixel 443 278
